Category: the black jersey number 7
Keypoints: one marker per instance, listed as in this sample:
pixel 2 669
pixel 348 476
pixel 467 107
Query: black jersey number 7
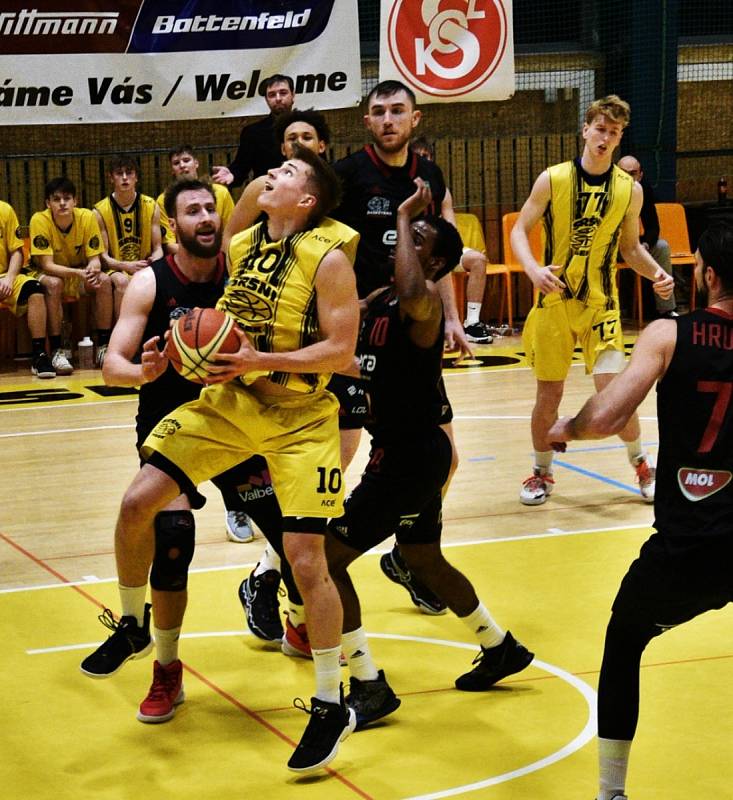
pixel 722 390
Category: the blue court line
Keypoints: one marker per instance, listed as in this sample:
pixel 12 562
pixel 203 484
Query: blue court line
pixel 598 448
pixel 588 473
pixel 483 458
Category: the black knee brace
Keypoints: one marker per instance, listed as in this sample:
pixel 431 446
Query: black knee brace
pixel 175 533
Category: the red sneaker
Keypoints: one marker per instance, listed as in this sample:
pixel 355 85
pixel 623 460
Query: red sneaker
pixel 295 640
pixel 166 692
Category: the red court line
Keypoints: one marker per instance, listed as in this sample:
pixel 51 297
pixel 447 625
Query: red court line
pixel 253 714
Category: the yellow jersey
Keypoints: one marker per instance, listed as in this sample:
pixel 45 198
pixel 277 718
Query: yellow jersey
pixel 10 240
pixel 271 291
pixel 582 225
pixel 128 231
pixel 71 248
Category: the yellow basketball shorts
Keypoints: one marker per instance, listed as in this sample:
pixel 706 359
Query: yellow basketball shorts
pixel 11 303
pixel 552 332
pixel 298 435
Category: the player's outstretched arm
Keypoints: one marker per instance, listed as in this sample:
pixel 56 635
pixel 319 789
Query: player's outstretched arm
pixel 245 211
pixel 607 412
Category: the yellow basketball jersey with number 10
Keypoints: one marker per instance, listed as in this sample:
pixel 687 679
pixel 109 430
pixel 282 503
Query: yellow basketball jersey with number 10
pixel 271 291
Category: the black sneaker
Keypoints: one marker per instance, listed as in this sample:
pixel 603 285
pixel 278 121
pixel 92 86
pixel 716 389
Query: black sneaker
pixel 328 726
pixel 371 700
pixel 127 641
pixel 495 663
pixel 395 568
pixel 478 333
pixel 258 596
pixel 42 367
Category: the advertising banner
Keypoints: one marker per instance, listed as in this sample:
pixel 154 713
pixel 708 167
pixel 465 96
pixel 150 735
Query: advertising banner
pixel 140 60
pixel 448 50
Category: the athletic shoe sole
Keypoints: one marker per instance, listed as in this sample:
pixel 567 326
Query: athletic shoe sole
pixel 349 728
pixel 134 656
pixel 153 720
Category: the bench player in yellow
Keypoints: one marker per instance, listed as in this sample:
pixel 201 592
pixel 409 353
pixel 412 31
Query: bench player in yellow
pixel 130 226
pixel 66 245
pixel 20 293
pixel 184 163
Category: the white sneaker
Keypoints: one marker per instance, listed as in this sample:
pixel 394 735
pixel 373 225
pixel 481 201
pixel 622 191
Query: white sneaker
pixel 239 527
pixel 537 488
pixel 61 364
pixel 646 475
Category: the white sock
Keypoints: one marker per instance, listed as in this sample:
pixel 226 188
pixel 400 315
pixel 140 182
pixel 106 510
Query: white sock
pixel 328 674
pixel 543 460
pixel 296 614
pixel 358 655
pixel 268 560
pixel 634 450
pixel 132 600
pixel 480 623
pixel 613 763
pixel 472 313
pixel 166 645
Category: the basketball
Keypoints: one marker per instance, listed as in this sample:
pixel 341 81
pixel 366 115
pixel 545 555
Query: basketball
pixel 197 338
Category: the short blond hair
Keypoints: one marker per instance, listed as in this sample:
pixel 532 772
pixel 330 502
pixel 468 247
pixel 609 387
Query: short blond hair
pixel 611 106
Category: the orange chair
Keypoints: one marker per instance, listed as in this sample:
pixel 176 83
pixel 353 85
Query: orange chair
pixel 673 228
pixel 472 235
pixel 510 260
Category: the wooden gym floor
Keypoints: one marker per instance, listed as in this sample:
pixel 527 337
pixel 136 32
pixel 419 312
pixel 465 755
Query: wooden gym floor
pixel 547 573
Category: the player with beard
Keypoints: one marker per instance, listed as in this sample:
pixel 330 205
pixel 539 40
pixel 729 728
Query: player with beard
pixel 195 276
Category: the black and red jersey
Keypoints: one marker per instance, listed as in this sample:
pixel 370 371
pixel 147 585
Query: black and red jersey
pixel 403 381
pixel 373 191
pixel 694 489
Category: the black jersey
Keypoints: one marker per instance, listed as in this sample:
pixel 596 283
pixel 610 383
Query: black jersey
pixel 694 490
pixel 173 289
pixel 403 380
pixel 373 191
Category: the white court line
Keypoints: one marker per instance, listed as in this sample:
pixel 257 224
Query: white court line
pixel 93 580
pixel 75 404
pixel 549 534
pixel 66 430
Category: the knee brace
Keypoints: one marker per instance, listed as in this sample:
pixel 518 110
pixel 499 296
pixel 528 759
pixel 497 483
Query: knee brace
pixel 175 533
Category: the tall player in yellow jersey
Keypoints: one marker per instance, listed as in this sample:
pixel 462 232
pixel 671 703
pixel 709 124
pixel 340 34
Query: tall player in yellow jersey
pixel 66 245
pixel 293 292
pixel 184 162
pixel 130 226
pixel 590 209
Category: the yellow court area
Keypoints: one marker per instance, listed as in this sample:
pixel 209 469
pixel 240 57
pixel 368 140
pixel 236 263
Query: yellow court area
pixel 548 574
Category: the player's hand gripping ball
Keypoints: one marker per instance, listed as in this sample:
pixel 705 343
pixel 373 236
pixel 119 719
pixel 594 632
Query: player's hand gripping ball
pixel 197 338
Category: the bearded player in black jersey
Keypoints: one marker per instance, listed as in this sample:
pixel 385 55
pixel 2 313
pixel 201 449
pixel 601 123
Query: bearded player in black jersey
pixel 377 179
pixel 684 569
pixel 400 353
pixel 195 276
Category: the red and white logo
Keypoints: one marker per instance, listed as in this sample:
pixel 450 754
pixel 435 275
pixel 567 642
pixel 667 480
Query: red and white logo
pixel 697 484
pixel 447 48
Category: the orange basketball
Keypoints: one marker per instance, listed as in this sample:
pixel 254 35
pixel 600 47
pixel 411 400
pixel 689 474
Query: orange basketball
pixel 197 338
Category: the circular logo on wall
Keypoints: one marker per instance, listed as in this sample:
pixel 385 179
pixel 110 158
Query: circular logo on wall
pixel 447 48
